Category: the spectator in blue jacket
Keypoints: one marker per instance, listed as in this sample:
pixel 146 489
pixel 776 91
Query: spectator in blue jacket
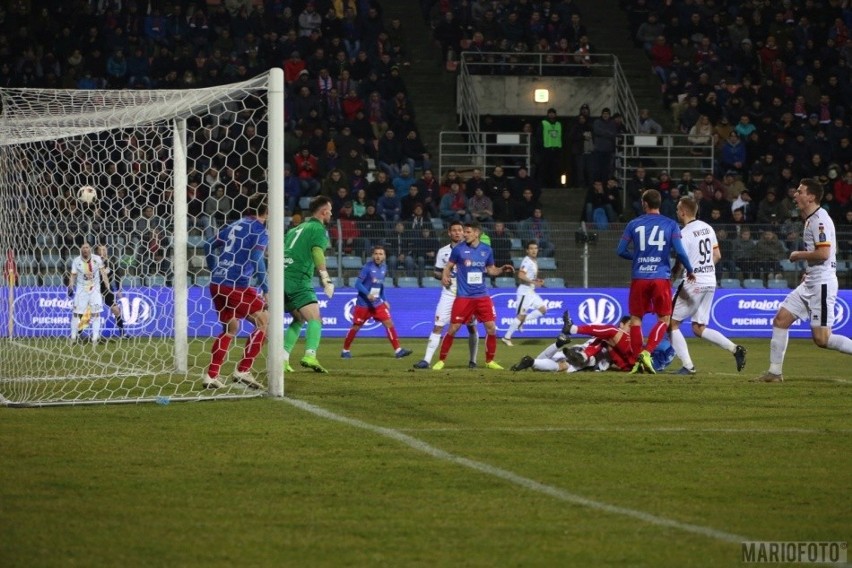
pixel 389 206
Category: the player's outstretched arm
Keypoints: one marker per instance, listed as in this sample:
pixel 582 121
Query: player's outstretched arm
pixel 260 270
pixel 498 270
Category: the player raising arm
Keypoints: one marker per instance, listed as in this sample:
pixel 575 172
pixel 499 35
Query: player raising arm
pixel 813 300
pixel 371 303
pixel 694 299
pixel 652 237
pixel 235 256
pixel 304 252
pixel 473 261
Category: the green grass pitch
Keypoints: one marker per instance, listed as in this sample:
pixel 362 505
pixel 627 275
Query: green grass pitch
pixel 376 464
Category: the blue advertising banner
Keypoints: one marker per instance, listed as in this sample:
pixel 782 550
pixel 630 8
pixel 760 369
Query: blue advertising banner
pixel 149 312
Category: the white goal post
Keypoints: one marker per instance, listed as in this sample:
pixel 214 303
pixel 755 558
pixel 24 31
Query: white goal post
pixel 169 167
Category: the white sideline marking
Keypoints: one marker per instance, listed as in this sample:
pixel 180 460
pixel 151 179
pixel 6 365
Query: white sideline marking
pixel 675 430
pixel 518 480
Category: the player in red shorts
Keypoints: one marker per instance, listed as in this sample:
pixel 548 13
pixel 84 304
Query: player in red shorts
pixel 240 246
pixel 652 237
pixel 371 303
pixel 473 261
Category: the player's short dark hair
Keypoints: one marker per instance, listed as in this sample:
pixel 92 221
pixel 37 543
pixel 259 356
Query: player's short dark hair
pixel 689 205
pixel 624 320
pixel 813 187
pixel 652 198
pixel 378 247
pixel 530 242
pixel 257 205
pixel 456 222
pixel 473 225
pixel 318 203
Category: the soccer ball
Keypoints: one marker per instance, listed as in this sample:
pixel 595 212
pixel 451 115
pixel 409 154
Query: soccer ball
pixel 87 194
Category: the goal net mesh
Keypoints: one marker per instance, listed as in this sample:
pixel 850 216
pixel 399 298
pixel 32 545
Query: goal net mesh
pixel 138 150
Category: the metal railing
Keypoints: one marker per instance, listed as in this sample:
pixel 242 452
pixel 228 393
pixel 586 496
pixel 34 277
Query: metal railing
pixel 463 151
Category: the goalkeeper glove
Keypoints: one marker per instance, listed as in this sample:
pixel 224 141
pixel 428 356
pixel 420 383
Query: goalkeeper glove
pixel 327 285
pixel 70 292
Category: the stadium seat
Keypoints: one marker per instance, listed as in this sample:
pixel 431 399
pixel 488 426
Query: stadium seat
pixel 437 224
pixel 730 283
pixel 53 280
pixel 516 261
pixel 789 266
pixel 197 261
pixel 516 244
pixel 195 241
pixel 777 284
pixel 554 282
pixel 429 282
pixel 331 262
pixel 202 280
pixel 52 261
pixel 504 282
pixel 156 280
pixel 407 282
pixel 28 280
pixel 753 283
pixel 350 282
pixel 352 262
pixel 546 263
pixel 315 282
pixel 131 282
pixel 26 262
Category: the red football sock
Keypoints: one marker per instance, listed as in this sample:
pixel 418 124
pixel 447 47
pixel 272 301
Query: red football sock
pixel 392 337
pixel 490 347
pixel 446 344
pixel 220 350
pixel 350 337
pixel 656 335
pixel 636 338
pixel 253 345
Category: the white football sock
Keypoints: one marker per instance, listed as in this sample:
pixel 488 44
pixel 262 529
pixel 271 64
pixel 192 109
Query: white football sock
pixel 840 343
pixel 681 350
pixel 432 346
pixel 548 351
pixel 717 338
pixel 96 329
pixel 777 349
pixel 473 342
pixel 513 327
pixel 75 325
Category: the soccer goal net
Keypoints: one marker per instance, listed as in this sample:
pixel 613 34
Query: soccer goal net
pixel 166 169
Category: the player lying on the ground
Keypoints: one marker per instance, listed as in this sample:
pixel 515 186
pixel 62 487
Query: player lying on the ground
pixel 608 349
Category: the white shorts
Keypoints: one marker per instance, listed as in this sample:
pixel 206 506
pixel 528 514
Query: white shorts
pixel 92 300
pixel 694 301
pixel 527 301
pixel 813 303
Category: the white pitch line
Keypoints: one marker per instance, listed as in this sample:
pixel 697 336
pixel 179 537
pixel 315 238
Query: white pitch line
pixel 130 371
pixel 516 479
pixel 640 430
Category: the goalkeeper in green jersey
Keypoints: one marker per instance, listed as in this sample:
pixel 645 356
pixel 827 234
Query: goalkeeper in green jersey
pixel 304 252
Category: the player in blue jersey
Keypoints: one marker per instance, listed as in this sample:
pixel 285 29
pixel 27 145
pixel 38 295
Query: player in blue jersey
pixel 371 303
pixel 652 237
pixel 235 257
pixel 473 261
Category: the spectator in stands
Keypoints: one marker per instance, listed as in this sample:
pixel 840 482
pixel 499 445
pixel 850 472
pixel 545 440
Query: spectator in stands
pixel 417 219
pixel 547 145
pixel 389 206
pixel 650 32
pixel 504 207
pixel 604 134
pixel 635 186
pixel 377 187
pixel 348 236
pixel 481 208
pixel 430 190
pixel 744 252
pixel 399 245
pixel 424 249
pixel 733 154
pixel 453 205
pixel 334 181
pixel 732 184
pixel 842 189
pixel 648 125
pixel 768 252
pixel 771 211
pixel 307 170
pixel 522 181
pixel 495 183
pixel 579 140
pixel 390 154
pixel 451 177
pixel 745 205
pixel 599 207
pixel 414 152
pixel 403 181
pixel 700 135
pixel 537 229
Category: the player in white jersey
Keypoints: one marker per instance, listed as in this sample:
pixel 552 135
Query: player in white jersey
pixel 87 271
pixel 694 299
pixel 445 304
pixel 813 300
pixel 528 304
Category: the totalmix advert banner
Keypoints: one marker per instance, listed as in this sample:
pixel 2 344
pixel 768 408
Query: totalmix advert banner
pixel 148 311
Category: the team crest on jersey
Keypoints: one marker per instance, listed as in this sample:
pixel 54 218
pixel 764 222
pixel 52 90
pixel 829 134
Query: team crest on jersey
pixel 467 262
pixel 821 229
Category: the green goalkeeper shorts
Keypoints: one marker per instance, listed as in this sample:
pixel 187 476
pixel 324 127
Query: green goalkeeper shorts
pixel 298 295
